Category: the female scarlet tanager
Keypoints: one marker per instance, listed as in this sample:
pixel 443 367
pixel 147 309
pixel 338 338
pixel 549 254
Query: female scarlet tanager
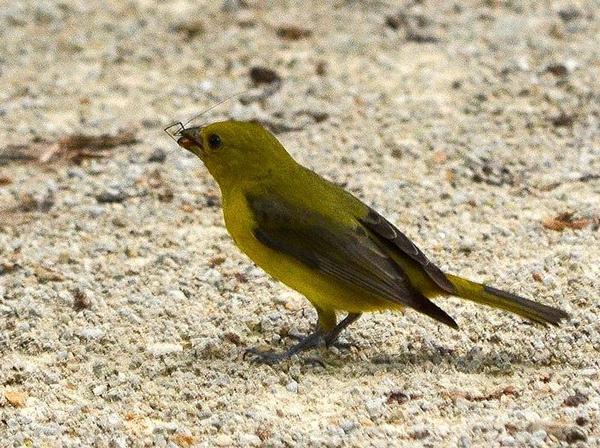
pixel 325 243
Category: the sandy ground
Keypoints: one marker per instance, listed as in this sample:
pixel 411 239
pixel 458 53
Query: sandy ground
pixel 125 308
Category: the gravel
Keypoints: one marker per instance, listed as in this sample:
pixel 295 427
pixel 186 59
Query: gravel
pixel 468 124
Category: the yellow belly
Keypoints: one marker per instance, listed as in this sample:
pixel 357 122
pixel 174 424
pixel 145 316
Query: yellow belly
pixel 322 291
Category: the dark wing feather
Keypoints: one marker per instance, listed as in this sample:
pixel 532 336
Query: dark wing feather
pixel 394 238
pixel 346 255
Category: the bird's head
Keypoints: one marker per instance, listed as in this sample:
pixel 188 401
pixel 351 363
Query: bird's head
pixel 235 150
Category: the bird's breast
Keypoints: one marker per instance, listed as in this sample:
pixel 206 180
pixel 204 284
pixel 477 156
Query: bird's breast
pixel 321 290
pixel 240 222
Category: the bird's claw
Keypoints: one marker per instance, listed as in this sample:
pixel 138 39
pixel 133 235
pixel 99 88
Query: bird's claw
pixel 265 356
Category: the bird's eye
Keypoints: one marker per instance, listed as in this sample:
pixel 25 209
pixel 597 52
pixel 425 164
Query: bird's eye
pixel 214 141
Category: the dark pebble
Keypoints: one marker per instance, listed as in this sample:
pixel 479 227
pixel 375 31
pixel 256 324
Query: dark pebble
pixel 575 434
pixel 575 400
pixel 110 195
pixel 80 300
pixel 395 21
pixel 569 13
pixel 421 38
pixel 420 434
pixel 158 155
pixel 557 69
pixel 581 421
pixel 563 120
pixel 263 75
pixel 398 397
pixel 321 68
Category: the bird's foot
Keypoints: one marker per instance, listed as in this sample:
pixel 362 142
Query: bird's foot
pixel 266 356
pixel 316 339
pixel 327 342
pixel 269 357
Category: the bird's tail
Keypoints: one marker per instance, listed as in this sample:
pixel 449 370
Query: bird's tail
pixel 496 298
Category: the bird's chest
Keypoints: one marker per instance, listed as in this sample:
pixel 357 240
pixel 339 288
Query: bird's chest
pixel 241 223
pixel 321 290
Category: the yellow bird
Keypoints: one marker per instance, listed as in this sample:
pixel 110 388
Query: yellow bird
pixel 323 242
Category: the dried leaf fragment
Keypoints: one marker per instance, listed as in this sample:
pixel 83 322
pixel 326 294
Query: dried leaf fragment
pixel 97 143
pixel 293 32
pixel 565 220
pixel 29 202
pixel 575 400
pixel 45 275
pixel 184 440
pixel 15 398
pixel 398 397
pixel 80 300
pixel 72 148
pixel 496 395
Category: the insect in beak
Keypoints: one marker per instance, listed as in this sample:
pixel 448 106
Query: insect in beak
pixel 191 140
pixel 186 137
pixel 188 143
pixel 177 132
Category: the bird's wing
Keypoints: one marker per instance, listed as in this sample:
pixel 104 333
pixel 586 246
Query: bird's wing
pixel 394 239
pixel 349 255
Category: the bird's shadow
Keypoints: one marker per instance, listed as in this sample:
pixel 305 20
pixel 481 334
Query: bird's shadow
pixel 360 363
pixel 477 359
pixel 482 357
pixel 473 361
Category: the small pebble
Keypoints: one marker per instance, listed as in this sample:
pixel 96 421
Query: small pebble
pixel 538 344
pixel 575 434
pixel 176 295
pixel 232 5
pixel 213 278
pixel 110 195
pixel 263 75
pixel 249 440
pixel 158 156
pixel 15 398
pixel 575 400
pixel 91 333
pixel 223 440
pixel 569 13
pixel 99 390
pixel 348 426
pixel 81 301
pixel 95 211
pixel 507 440
pixel 161 349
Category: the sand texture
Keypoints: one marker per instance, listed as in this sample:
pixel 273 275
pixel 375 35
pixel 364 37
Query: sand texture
pixel 125 308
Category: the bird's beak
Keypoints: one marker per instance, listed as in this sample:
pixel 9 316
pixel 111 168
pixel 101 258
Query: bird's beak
pixel 190 139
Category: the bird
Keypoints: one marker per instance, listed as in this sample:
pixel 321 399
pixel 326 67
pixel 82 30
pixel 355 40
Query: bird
pixel 343 256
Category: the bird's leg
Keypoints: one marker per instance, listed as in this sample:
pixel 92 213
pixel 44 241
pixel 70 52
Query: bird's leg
pixel 326 333
pixel 325 325
pixel 333 334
